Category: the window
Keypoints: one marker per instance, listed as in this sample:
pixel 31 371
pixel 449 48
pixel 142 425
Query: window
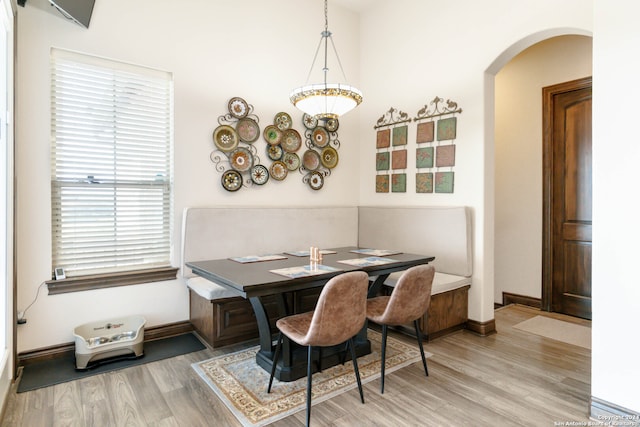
pixel 111 182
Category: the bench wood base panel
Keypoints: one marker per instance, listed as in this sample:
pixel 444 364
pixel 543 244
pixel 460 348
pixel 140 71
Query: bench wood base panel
pixel 227 320
pixel 448 312
pixel 231 320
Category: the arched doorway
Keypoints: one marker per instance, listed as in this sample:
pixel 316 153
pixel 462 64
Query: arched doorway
pixel 516 82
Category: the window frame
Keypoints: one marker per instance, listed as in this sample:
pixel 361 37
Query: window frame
pixel 110 280
pixel 118 275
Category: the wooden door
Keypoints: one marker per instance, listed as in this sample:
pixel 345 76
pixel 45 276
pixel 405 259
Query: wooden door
pixel 567 191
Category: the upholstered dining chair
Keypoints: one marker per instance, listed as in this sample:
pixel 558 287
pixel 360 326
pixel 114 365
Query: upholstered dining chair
pixel 408 301
pixel 339 315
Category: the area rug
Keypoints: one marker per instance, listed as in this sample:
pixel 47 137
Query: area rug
pixel 62 369
pixel 242 385
pixel 558 330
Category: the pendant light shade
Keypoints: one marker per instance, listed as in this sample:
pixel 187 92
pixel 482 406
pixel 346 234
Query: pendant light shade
pixel 326 101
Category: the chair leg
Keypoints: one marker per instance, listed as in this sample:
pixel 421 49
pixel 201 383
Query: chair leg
pixel 275 361
pixel 419 337
pixel 309 371
pixel 383 360
pixel 355 368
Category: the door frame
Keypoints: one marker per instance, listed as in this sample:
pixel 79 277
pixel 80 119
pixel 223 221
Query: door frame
pixel 547 180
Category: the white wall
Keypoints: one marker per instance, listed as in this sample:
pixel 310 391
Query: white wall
pixel 212 63
pixel 615 371
pixel 401 54
pixel 6 198
pixel 413 51
pixel 216 50
pixel 518 152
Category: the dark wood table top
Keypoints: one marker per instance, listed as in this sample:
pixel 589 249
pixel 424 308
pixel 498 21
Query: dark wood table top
pixel 256 279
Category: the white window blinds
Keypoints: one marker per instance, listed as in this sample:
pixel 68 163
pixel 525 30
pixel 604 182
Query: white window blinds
pixel 111 183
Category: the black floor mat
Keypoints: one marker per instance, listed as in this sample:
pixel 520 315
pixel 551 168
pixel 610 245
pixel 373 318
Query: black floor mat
pixel 63 369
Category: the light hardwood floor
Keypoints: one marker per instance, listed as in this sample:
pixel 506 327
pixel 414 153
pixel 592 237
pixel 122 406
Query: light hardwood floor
pixel 509 378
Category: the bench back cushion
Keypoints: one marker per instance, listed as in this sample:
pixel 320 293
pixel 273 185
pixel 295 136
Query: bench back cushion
pixel 444 232
pixel 222 232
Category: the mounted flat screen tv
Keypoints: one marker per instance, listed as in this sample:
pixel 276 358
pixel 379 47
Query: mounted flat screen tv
pixel 77 10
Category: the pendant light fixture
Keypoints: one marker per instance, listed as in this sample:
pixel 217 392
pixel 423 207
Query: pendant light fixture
pixel 326 100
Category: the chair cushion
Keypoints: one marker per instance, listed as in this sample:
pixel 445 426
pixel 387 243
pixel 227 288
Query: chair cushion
pixel 408 301
pixel 442 282
pixel 376 307
pixel 339 313
pixel 296 326
pixel 210 290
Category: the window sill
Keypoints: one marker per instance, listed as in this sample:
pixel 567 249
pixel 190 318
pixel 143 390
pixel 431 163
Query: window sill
pixel 100 281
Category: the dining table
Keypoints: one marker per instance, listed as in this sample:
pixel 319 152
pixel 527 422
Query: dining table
pixel 255 277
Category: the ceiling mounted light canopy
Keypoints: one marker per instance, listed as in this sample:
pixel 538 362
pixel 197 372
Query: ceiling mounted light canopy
pixel 326 100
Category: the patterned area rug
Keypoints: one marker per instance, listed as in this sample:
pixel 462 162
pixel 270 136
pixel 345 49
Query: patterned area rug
pixel 242 385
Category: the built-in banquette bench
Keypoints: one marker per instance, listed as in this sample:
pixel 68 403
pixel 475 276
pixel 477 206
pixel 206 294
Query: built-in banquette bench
pixel 222 317
pixel 444 232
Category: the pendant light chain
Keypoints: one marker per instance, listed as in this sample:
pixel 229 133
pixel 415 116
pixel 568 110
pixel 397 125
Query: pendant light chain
pixel 326 17
pixel 327 34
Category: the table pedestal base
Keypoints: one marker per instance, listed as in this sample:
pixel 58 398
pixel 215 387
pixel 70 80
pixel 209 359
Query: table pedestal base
pixel 292 364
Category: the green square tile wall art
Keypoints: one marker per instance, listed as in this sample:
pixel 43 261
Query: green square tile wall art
pixel 424 182
pixel 399 159
pixel 424 132
pixel 444 182
pixel 447 128
pixel 383 138
pixel 382 161
pixel 424 157
pixel 445 155
pixel 399 182
pixel 382 183
pixel 439 116
pixel 400 135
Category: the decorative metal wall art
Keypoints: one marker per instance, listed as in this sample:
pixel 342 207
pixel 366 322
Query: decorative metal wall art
pixel 438 116
pixel 283 141
pixel 321 156
pixel 437 109
pixel 435 133
pixel 392 117
pixel 235 155
pixel 391 139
